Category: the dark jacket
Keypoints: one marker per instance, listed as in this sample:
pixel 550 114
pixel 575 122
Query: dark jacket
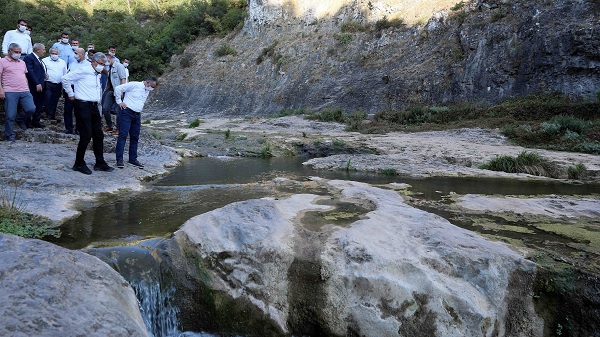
pixel 36 72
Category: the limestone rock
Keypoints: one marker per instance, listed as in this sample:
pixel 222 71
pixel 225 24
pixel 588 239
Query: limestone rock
pixel 51 291
pixel 392 271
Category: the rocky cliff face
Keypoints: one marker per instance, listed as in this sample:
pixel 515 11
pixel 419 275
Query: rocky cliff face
pixel 315 55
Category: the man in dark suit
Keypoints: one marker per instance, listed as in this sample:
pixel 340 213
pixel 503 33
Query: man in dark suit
pixel 36 78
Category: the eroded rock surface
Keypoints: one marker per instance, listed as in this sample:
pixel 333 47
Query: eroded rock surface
pixel 392 270
pixel 51 291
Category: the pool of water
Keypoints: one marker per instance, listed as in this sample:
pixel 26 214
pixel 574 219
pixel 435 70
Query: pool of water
pixel 200 185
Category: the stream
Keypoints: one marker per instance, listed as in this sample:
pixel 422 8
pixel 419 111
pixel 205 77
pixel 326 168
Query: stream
pixel 122 229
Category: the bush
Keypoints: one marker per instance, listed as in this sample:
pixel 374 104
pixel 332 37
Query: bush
pixel 195 123
pixel 355 120
pixel 458 6
pixel 328 115
pixel 525 162
pixel 343 39
pixel 385 23
pixel 353 27
pixel 577 172
pixel 225 50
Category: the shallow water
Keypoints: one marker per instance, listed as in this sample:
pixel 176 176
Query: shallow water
pixel 200 185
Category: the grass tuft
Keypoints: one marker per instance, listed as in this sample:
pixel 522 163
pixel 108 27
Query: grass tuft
pixel 195 123
pixel 526 162
pixel 578 171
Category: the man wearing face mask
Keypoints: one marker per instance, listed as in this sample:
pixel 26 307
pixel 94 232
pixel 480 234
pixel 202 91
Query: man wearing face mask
pixel 56 68
pixel 36 76
pixel 85 98
pixel 112 50
pixel 80 61
pixel 126 65
pixel 14 91
pixel 18 36
pixel 65 51
pixel 131 107
pixel 116 76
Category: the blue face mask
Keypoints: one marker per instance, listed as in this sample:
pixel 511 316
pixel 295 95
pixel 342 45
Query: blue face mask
pixel 16 56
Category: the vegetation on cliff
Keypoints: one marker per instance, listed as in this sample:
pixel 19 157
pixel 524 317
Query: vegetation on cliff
pixel 148 32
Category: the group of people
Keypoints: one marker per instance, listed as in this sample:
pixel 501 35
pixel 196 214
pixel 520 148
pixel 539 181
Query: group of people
pixel 94 85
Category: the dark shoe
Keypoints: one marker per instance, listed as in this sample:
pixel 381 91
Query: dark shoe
pixel 120 163
pixel 22 126
pixel 136 164
pixel 82 168
pixel 69 132
pixel 38 125
pixel 103 167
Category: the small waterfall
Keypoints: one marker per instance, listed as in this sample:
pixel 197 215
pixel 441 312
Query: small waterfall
pixel 157 307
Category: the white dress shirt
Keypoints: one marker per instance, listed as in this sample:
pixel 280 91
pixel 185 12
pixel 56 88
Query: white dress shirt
pixel 86 81
pixel 135 95
pixel 76 64
pixel 22 39
pixel 55 70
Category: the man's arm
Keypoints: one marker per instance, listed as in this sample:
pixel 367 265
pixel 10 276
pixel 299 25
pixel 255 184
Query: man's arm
pixel 5 42
pixel 1 89
pixel 119 91
pixel 67 79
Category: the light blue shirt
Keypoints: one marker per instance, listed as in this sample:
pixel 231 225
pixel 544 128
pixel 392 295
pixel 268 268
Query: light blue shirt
pixel 65 52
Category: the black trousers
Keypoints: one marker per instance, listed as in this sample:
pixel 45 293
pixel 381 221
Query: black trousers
pixel 89 123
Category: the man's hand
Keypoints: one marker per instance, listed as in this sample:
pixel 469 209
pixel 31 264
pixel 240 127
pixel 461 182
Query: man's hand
pixel 122 105
pixel 72 98
pixel 39 88
pixel 2 95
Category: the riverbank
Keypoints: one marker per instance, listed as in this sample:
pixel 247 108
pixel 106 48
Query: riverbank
pixel 39 165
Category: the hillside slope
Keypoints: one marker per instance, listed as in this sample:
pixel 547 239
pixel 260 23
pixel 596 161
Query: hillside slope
pixel 305 54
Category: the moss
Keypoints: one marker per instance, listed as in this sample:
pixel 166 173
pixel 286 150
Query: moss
pixel 576 232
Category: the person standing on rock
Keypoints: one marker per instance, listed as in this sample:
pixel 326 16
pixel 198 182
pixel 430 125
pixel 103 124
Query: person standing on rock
pixel 36 77
pixel 14 91
pixel 56 69
pixel 85 98
pixel 18 36
pixel 116 76
pixel 129 116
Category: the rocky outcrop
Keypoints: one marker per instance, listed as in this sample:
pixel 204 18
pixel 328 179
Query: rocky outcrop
pixel 362 263
pixel 293 55
pixel 51 291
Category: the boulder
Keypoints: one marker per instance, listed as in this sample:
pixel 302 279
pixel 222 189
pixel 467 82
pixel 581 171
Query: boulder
pixel 47 290
pixel 361 262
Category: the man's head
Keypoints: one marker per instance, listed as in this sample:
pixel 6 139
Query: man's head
pixel 79 54
pixel 112 50
pixel 90 53
pixel 126 62
pixel 14 51
pixel 75 43
pixel 99 58
pixel 90 46
pixel 29 30
pixel 39 49
pixel 64 37
pixel 53 53
pixel 110 59
pixel 151 83
pixel 22 25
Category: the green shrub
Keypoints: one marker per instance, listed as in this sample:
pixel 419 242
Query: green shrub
pixel 290 112
pixel 388 171
pixel 570 123
pixel 526 162
pixel 577 171
pixel 265 152
pixel 458 6
pixel 353 27
pixel 328 115
pixel 195 123
pixel 343 39
pixel 181 137
pixel 355 120
pixel 385 23
pixel 186 60
pixel 227 134
pixel 592 147
pixel 225 50
pixel 268 52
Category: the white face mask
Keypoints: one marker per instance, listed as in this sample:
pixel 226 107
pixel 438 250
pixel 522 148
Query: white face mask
pixel 111 53
pixel 125 65
pixel 53 57
pixel 27 32
pixel 77 57
pixel 16 56
pixel 74 47
pixel 99 68
pixel 22 28
pixel 64 40
pixel 149 88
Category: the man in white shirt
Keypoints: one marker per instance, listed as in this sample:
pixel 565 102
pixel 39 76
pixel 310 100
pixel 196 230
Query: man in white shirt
pixel 56 68
pixel 20 37
pixel 86 97
pixel 80 60
pixel 129 117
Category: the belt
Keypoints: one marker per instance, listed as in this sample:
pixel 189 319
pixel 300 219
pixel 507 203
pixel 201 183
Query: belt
pixel 88 102
pixel 52 82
